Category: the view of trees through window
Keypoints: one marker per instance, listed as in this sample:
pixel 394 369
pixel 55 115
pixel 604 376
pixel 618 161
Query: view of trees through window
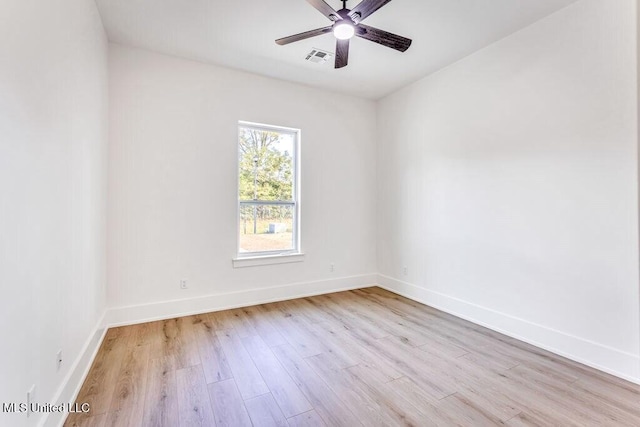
pixel 267 189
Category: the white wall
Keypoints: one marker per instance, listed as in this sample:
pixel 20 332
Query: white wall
pixel 508 186
pixel 53 136
pixel 173 191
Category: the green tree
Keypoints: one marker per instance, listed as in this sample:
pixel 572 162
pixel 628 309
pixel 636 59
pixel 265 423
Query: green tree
pixel 266 171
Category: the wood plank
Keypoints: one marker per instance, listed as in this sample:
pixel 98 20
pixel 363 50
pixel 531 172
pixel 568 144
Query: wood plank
pixel 476 385
pixel 365 356
pixel 221 320
pixel 326 341
pixel 286 393
pixel 122 418
pixel 101 381
pixel 341 315
pixel 431 321
pixel 308 419
pixel 426 405
pixel 488 361
pixel 131 384
pixel 441 345
pixel 247 376
pixel 492 399
pixel 118 332
pixel 149 333
pixel 465 412
pixel 412 393
pixel 263 327
pixel 307 310
pixel 460 370
pixel 244 328
pixel 194 405
pixel 265 412
pixel 361 403
pixel 367 398
pixel 293 331
pixel 214 360
pixel 525 420
pixel 536 401
pixel 623 397
pixel 536 418
pixel 460 410
pixel 95 421
pixel 587 407
pixel 328 405
pixel 178 341
pixel 228 406
pixel 438 384
pixel 161 402
pixel 384 319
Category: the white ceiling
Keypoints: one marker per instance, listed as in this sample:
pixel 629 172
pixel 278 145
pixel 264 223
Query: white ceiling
pixel 241 34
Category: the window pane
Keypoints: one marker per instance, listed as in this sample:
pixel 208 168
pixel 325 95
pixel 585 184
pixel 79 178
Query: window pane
pixel 266 164
pixel 266 228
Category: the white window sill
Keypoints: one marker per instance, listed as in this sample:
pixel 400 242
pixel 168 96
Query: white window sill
pixel 267 260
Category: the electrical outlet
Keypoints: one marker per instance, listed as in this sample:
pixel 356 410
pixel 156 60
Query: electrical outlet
pixel 331 267
pixel 405 270
pixel 183 284
pixel 31 397
pixel 58 359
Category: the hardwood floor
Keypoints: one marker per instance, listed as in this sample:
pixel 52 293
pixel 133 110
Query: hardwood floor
pixel 366 357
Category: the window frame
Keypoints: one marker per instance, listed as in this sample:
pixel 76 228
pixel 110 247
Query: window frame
pixel 276 256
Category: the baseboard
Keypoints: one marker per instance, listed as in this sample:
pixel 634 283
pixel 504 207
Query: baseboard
pixel 175 308
pixel 598 356
pixel 68 391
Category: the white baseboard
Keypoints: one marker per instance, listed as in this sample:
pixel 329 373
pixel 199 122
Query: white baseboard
pixel 129 315
pixel 68 391
pixel 598 356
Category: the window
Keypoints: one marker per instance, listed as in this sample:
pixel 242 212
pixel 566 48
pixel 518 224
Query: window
pixel 268 209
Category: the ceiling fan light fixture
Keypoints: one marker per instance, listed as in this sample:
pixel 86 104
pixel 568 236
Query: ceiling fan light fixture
pixel 343 30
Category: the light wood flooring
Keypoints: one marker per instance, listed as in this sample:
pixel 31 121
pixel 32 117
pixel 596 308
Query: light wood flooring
pixel 366 357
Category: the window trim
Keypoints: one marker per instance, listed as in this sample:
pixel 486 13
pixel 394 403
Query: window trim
pixel 245 259
pixel 255 261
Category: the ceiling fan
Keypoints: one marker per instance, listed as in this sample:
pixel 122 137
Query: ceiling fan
pixel 348 23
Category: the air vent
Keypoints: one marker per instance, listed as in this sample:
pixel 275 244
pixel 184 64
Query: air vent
pixel 319 56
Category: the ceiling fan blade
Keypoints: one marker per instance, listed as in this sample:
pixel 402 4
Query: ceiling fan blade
pixel 342 53
pixel 384 38
pixel 324 9
pixel 305 35
pixel 366 8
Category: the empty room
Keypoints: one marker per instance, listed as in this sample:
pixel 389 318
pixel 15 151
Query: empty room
pixel 319 213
